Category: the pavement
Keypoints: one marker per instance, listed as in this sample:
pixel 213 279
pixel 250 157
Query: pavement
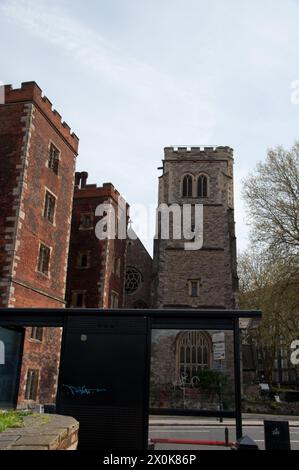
pixel 210 429
pixel 248 420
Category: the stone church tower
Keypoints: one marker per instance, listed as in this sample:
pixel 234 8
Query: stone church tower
pixel 204 278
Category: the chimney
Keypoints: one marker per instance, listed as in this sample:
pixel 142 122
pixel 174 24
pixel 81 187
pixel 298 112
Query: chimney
pixel 84 176
pixel 77 179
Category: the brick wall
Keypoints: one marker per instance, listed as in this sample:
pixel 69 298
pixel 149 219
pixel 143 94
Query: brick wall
pixel 28 127
pixel 101 278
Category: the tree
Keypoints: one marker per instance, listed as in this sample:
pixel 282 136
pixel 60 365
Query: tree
pixel 269 272
pixel 272 197
pixel 270 285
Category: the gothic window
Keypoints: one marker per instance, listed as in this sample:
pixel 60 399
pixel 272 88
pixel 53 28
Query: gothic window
pixel 187 186
pixel 202 186
pixel 133 280
pixel 193 352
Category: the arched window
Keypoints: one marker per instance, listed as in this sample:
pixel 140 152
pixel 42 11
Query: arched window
pixel 187 186
pixel 202 186
pixel 194 353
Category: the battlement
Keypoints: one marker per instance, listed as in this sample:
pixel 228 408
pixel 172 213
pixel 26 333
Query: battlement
pixel 31 92
pixel 198 151
pixel 84 190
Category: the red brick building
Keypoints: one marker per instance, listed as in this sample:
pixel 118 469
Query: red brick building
pixel 37 167
pixel 96 266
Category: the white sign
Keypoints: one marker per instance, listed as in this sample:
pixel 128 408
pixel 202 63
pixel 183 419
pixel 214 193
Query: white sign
pixel 295 353
pixel 219 356
pixel 218 338
pixel 219 351
pixel 265 387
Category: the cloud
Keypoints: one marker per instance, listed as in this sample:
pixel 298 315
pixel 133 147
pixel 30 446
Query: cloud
pixel 161 73
pixel 159 93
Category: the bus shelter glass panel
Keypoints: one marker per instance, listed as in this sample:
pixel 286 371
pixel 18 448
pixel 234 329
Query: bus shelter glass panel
pixel 11 344
pixel 30 372
pixel 192 370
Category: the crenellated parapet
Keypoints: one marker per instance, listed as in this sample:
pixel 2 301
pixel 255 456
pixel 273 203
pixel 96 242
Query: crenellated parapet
pixel 31 92
pixel 217 152
pixel 84 190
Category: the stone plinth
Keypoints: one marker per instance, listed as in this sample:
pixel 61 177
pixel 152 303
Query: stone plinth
pixel 42 432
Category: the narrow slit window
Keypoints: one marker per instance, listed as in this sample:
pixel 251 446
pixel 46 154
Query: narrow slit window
pixel 44 259
pixel 53 161
pixel 31 384
pixel 49 210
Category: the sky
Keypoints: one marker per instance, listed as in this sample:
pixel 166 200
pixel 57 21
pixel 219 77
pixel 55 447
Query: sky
pixel 134 76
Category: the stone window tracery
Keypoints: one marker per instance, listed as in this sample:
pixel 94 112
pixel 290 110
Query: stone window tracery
pixel 193 351
pixel 133 280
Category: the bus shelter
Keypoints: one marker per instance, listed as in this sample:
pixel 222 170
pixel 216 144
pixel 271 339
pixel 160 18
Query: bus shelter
pixel 118 366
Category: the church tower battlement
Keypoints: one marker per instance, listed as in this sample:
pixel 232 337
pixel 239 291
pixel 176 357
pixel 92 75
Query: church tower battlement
pixel 207 277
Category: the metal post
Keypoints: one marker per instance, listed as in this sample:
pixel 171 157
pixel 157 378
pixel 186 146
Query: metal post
pixel 237 364
pixel 226 435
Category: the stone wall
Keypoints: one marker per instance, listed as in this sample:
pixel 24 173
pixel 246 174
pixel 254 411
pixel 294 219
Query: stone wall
pixel 42 432
pixel 215 264
pixel 167 389
pixel 139 259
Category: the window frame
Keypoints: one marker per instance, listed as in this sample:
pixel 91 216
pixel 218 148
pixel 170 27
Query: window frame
pixel 51 195
pixel 36 334
pixel 80 255
pixel 46 274
pixel 50 165
pixel 75 293
pixel 202 339
pixel 198 285
pixel 204 190
pixel 187 175
pixel 85 213
pixel 32 383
